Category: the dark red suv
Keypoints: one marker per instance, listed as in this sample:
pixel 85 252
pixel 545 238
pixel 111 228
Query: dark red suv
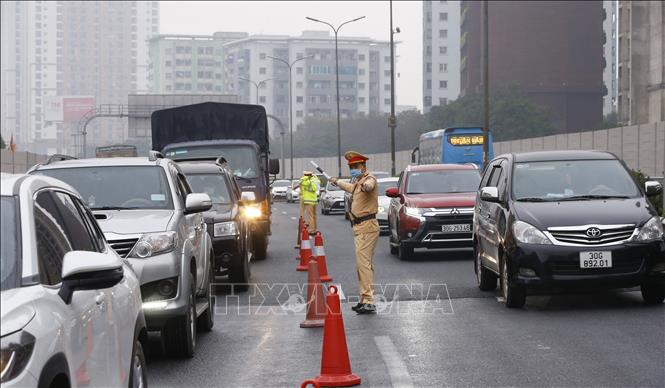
pixel 432 207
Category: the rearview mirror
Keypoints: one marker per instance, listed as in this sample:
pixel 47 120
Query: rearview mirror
pixel 83 270
pixel 653 188
pixel 489 194
pixel 392 192
pixel 273 166
pixel 197 202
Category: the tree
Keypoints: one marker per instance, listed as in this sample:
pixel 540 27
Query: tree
pixel 512 114
pixel 609 121
pixel 2 143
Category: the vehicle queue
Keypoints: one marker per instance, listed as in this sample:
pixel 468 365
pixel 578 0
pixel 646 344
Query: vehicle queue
pixel 537 223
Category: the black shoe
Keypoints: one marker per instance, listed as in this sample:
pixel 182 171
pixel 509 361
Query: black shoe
pixel 366 309
pixel 356 307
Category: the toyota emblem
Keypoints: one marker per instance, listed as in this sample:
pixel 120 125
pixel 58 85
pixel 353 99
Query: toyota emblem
pixel 454 211
pixel 593 232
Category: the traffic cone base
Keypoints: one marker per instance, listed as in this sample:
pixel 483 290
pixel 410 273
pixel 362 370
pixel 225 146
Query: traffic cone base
pixel 316 307
pixel 335 364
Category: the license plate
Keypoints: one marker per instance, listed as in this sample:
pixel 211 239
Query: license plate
pixel 598 259
pixel 456 228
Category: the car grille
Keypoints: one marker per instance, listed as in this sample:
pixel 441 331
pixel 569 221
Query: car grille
pixel 630 265
pixel 123 246
pixel 338 205
pixel 581 235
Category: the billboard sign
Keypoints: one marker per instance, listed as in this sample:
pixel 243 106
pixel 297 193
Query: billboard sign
pixel 67 108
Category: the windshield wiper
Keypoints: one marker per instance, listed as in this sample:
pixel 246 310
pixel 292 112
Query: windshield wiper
pixel 588 197
pixel 532 199
pixel 115 208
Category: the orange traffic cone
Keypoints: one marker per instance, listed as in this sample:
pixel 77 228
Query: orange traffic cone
pixel 305 250
pixel 307 383
pixel 300 224
pixel 335 364
pixel 320 254
pixel 316 306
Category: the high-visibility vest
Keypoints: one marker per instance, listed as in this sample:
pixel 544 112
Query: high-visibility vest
pixel 309 189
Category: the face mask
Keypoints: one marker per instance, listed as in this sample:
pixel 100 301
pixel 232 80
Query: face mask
pixel 355 173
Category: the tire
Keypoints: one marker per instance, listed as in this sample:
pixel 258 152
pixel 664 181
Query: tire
pixel 653 293
pixel 486 279
pixel 240 275
pixel 206 321
pixel 514 296
pixel 393 248
pixel 261 247
pixel 138 376
pixel 180 332
pixel 404 253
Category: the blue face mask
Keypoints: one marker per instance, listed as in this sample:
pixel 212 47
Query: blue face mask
pixel 355 173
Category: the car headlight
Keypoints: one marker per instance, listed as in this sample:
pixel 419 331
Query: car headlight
pixel 652 230
pixel 413 211
pixel 152 244
pixel 252 212
pixel 529 234
pixel 15 350
pixel 229 228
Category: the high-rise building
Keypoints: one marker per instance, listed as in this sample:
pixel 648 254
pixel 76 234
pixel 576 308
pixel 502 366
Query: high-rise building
pixel 553 50
pixel 610 53
pixel 364 75
pixel 61 58
pixel 641 96
pixel 188 64
pixel 441 52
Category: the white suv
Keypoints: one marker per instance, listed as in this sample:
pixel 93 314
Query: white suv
pixel 71 307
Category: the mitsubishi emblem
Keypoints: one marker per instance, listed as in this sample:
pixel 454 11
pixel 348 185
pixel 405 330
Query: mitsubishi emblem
pixel 454 211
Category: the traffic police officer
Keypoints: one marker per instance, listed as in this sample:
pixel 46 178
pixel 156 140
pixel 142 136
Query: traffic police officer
pixel 364 206
pixel 309 194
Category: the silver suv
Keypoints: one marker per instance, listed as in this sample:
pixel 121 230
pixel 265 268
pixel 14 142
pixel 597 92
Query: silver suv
pixel 149 215
pixel 71 307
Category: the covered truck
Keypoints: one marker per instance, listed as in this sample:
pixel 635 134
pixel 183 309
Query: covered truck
pixel 236 132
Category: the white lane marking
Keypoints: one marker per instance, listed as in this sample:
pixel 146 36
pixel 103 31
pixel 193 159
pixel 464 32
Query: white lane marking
pixel 399 375
pixel 293 218
pixel 283 212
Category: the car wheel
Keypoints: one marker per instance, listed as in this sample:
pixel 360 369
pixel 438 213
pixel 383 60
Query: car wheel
pixel 240 275
pixel 653 293
pixel 404 253
pixel 486 279
pixel 180 333
pixel 207 320
pixel 138 377
pixel 513 296
pixel 261 247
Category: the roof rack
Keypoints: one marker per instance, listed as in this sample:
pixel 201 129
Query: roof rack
pixel 58 158
pixel 154 155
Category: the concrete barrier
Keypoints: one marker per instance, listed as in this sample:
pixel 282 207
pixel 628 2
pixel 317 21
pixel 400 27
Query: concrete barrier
pixel 18 162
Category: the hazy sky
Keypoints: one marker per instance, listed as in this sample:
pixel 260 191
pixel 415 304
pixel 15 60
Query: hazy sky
pixel 288 18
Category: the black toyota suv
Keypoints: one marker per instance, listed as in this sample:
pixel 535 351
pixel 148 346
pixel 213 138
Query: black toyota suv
pixel 228 225
pixel 555 221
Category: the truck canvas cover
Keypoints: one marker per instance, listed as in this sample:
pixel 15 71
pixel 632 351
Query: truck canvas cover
pixel 210 121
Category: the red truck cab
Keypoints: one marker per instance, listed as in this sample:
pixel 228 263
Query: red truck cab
pixel 432 207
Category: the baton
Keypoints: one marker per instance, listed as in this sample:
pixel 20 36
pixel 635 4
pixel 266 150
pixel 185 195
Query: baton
pixel 319 169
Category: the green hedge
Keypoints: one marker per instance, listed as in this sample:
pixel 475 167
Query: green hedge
pixel 657 201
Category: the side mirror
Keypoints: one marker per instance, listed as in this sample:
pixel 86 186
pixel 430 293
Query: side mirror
pixel 653 188
pixel 83 270
pixel 392 192
pixel 273 166
pixel 197 202
pixel 489 194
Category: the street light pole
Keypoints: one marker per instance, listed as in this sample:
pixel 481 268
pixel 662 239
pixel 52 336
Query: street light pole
pixel 392 122
pixel 256 85
pixel 339 126
pixel 290 67
pixel 486 79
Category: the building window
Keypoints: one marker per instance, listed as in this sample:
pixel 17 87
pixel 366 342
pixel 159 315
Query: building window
pixel 361 85
pixel 386 101
pixel 443 84
pixel 443 101
pixel 429 67
pixel 386 73
pixel 440 67
pixel 443 33
pixel 386 87
pixel 298 113
pixel 361 71
pixel 361 100
pixel 443 16
pixel 299 70
pixel 262 70
pixel 443 50
pixel 262 56
pixel 386 59
pixel 262 99
pixel 168 75
pixel 361 57
pixel 299 99
pixel 429 84
pixel 299 85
